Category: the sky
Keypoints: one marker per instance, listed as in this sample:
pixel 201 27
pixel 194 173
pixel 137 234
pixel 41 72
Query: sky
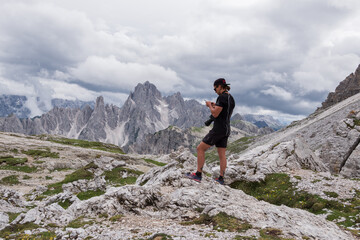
pixel 281 57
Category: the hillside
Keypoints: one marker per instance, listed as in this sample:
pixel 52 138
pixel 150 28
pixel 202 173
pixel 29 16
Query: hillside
pixel 55 187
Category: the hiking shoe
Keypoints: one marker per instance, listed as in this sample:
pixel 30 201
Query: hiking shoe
pixel 221 181
pixel 193 176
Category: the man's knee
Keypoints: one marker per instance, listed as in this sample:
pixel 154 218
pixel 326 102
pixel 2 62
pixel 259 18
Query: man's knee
pixel 202 147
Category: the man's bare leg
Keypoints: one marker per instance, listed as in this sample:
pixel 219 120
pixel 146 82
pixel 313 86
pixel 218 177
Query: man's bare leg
pixel 222 157
pixel 201 148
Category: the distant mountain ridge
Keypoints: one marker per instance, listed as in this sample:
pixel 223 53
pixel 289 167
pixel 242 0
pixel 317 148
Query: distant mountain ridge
pixel 144 112
pixel 263 121
pixel 17 104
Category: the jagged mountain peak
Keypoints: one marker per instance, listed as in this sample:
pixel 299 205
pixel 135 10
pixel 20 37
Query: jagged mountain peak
pixel 145 91
pixel 99 102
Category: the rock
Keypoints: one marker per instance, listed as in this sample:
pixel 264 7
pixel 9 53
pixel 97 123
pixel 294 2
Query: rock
pixel 282 157
pixel 347 88
pixel 10 200
pixel 4 220
pixel 84 185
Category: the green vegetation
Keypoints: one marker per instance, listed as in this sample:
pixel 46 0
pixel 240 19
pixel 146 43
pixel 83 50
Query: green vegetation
pixel 26 169
pixel 56 188
pixel 37 153
pixel 357 122
pixel 26 177
pixel 79 222
pixel 10 180
pixel 221 222
pixel 240 145
pixel 89 194
pixel 115 176
pixel 196 129
pixel 65 204
pixel 154 162
pixel 15 164
pixel 277 189
pixel 11 161
pixel 12 216
pixel 161 236
pixel 87 144
pixel 16 228
pixel 271 234
pixel 331 194
pixel 116 218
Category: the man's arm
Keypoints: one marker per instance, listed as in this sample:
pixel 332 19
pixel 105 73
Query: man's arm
pixel 214 109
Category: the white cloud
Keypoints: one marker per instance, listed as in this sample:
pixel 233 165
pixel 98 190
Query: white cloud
pixel 292 48
pixel 117 75
pixel 278 92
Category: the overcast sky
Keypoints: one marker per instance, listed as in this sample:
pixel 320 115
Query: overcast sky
pixel 281 57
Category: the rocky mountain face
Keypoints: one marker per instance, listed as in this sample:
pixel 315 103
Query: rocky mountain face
pixel 347 88
pixel 14 104
pixel 332 137
pixel 144 112
pixel 132 126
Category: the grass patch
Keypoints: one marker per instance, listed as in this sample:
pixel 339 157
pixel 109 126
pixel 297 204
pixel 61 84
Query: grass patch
pixel 17 229
pixel 277 189
pixel 160 164
pixel 56 188
pixel 89 194
pixel 25 169
pixel 115 176
pixel 11 161
pixel 271 234
pixel 196 129
pixel 79 222
pixel 65 204
pixel 10 180
pixel 116 218
pixel 12 216
pixel 161 236
pixel 331 194
pixel 26 177
pixel 37 153
pixel 240 145
pixel 88 144
pixel 221 222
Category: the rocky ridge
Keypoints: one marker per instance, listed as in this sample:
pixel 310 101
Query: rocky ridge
pixel 347 88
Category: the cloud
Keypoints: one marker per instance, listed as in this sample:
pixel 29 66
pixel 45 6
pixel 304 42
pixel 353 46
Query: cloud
pixel 109 73
pixel 278 92
pixel 278 55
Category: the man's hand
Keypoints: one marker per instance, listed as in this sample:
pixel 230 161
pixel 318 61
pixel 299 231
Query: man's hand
pixel 210 104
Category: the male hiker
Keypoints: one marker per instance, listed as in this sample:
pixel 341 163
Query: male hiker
pixel 220 113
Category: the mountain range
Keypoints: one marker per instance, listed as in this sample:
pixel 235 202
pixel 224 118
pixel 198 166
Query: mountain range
pixel 144 112
pixel 18 105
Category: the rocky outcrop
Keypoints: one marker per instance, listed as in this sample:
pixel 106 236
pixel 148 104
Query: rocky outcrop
pixel 347 88
pixel 165 194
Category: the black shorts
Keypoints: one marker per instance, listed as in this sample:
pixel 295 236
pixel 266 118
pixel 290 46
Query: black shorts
pixel 218 139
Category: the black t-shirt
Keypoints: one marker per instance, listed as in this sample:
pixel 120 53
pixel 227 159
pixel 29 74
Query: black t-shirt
pixel 222 122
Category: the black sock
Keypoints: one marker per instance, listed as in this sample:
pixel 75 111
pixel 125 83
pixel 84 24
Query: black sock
pixel 221 178
pixel 198 173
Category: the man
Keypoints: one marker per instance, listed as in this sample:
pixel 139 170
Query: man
pixel 221 112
